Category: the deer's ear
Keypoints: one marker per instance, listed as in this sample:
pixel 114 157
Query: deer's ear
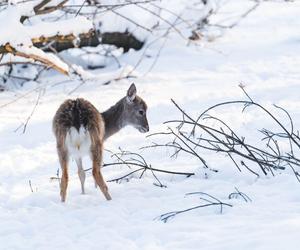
pixel 131 93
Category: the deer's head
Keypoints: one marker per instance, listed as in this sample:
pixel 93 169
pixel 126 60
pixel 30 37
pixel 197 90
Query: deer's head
pixel 135 109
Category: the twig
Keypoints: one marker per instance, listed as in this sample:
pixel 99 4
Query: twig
pixel 237 194
pixel 30 185
pixel 30 115
pixel 209 199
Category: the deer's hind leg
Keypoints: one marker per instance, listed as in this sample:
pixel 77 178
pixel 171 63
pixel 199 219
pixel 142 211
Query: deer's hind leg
pixel 96 155
pixel 63 156
pixel 81 173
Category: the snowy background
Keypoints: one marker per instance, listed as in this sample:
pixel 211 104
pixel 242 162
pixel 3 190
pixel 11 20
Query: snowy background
pixel 262 52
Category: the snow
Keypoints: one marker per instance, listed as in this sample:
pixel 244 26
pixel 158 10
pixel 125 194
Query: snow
pixel 15 31
pixel 22 34
pixel 154 17
pixel 262 52
pixel 75 26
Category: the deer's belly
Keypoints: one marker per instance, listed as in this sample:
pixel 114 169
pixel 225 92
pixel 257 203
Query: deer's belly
pixel 78 142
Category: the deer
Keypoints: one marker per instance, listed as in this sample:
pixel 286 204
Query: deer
pixel 80 129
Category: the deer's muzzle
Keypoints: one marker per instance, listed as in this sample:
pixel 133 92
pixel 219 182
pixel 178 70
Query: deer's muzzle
pixel 144 129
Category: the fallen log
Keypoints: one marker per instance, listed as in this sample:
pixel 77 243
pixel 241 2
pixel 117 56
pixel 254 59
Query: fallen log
pixel 36 54
pixel 124 40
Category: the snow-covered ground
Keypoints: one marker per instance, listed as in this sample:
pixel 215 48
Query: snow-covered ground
pixel 262 52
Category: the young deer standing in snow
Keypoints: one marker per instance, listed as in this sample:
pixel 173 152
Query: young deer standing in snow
pixel 81 129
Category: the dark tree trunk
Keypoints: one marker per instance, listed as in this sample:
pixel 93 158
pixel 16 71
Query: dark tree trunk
pixel 121 40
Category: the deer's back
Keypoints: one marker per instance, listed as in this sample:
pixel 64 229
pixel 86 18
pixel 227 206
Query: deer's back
pixel 78 114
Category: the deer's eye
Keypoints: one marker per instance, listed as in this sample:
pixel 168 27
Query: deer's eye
pixel 141 112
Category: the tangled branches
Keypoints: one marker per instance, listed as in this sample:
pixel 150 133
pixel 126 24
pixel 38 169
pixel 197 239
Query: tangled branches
pixel 210 133
pixel 136 164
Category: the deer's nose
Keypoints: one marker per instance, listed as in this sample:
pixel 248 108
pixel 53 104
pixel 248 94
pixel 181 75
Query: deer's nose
pixel 144 129
pixel 147 128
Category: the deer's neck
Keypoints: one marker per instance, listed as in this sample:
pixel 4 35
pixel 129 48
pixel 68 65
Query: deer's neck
pixel 113 119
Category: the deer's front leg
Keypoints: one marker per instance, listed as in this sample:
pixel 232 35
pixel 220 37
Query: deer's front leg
pixel 97 151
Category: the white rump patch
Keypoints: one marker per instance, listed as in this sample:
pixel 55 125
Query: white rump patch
pixel 78 143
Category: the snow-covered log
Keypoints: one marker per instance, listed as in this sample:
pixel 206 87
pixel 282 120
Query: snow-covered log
pixel 36 54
